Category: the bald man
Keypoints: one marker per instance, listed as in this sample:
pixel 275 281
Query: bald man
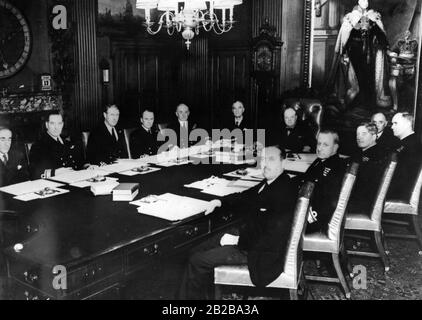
pixel 409 157
pixel 294 135
pixel 385 137
pixel 183 126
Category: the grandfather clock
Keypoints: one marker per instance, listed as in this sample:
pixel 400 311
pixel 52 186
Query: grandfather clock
pixel 266 56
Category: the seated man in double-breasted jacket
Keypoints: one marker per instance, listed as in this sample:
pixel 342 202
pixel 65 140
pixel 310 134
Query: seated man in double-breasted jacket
pixel 144 140
pixel 327 172
pixel 372 160
pixel 293 135
pixel 385 137
pixel 261 242
pixel 13 165
pixel 53 154
pixel 106 143
pixel 409 158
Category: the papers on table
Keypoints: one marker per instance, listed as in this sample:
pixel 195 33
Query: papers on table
pixel 296 166
pixel 85 183
pixel 51 192
pixel 246 174
pixel 80 175
pixel 30 186
pixel 172 207
pixel 135 172
pixel 300 162
pixel 123 165
pixel 206 183
pixel 177 162
pixel 103 188
pixel 222 187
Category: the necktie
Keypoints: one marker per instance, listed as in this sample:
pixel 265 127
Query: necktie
pixel 116 137
pixel 58 141
pixel 264 185
pixel 4 158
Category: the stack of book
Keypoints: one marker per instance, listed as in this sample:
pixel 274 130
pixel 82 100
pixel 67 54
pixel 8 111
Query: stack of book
pixel 125 191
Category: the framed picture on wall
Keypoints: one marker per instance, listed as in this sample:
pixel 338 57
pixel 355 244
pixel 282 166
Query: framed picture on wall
pixel 119 17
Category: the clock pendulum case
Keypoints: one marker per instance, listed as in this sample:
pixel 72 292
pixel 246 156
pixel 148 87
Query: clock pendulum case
pixel 15 40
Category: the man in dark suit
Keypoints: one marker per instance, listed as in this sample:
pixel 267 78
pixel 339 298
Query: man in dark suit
pixel 182 127
pixel 13 166
pixel 106 143
pixel 53 153
pixel 372 161
pixel 239 120
pixel 295 136
pixel 385 137
pixel 409 157
pixel 263 239
pixel 327 173
pixel 143 141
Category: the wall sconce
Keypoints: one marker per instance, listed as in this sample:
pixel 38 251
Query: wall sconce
pixel 105 71
pixel 318 7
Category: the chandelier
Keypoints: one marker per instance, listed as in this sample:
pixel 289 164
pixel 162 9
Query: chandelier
pixel 189 16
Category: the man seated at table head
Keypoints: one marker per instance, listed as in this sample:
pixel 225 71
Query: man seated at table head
pixel 372 160
pixel 327 173
pixel 183 126
pixel 239 120
pixel 143 141
pixel 261 241
pixel 385 137
pixel 295 136
pixel 13 166
pixel 53 153
pixel 409 157
pixel 106 143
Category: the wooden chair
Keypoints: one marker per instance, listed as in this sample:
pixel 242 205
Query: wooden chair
pixel 292 277
pixel 309 110
pixel 7 218
pixel 406 208
pixel 332 242
pixel 127 133
pixel 85 137
pixel 359 221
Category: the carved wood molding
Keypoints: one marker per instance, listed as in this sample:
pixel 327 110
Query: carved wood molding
pixel 306 57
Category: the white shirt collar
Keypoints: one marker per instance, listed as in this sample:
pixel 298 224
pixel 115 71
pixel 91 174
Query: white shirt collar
pixel 55 138
pixel 109 128
pixel 146 129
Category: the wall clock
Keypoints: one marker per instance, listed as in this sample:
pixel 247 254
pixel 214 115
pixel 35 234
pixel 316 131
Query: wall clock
pixel 15 40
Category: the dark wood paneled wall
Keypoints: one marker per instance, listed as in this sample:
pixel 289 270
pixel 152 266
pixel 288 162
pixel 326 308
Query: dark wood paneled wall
pixel 87 104
pixel 158 71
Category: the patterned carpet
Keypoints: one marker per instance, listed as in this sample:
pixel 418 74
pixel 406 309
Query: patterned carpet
pixel 402 282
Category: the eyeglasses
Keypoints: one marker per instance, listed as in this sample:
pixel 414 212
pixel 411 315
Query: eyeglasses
pixel 3 139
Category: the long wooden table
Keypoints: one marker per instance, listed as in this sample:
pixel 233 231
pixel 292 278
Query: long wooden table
pixel 101 242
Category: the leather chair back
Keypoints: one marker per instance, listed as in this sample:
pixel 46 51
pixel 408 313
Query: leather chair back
pixel 293 263
pixel 335 226
pixel 308 110
pixel 85 137
pixel 378 207
pixel 416 192
pixel 127 133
